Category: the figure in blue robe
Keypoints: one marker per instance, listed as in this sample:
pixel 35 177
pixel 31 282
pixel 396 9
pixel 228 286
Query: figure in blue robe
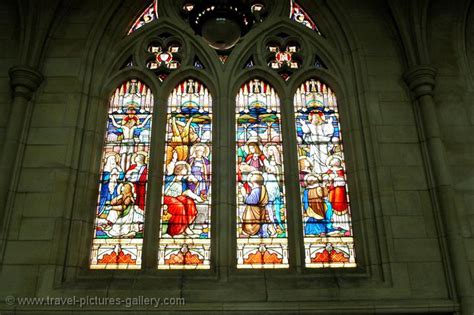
pixel 317 208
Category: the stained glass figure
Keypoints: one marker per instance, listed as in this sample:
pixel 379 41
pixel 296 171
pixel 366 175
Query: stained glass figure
pixel 299 15
pixel 185 237
pixel 121 204
pixel 261 208
pixel 149 15
pixel 327 228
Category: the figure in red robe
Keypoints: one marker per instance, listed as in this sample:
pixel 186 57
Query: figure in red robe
pixel 180 200
pixel 137 174
pixel 255 160
pixel 337 188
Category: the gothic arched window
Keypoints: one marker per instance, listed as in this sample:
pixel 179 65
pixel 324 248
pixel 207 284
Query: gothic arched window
pixel 262 240
pixel 327 227
pixel 245 113
pixel 185 228
pixel 121 204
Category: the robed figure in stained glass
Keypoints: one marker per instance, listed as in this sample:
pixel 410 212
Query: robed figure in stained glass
pixel 319 132
pixel 112 173
pixel 180 200
pixel 255 213
pixel 261 212
pixel 137 174
pixel 326 216
pixel 120 214
pixel 186 204
pixel 200 168
pixel 124 217
pixel 318 210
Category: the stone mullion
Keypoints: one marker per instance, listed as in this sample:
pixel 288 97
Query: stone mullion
pixel 224 181
pixel 155 182
pixel 293 206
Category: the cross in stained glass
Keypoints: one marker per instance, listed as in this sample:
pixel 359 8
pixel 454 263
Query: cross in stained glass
pixel 283 58
pixel 164 56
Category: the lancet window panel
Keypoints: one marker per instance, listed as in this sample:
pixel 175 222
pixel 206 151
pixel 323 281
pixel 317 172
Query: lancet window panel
pixel 327 227
pixel 121 204
pixel 261 207
pixel 185 231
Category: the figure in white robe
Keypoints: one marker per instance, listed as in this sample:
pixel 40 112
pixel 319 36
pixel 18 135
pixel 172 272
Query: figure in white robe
pixel 125 218
pixel 317 134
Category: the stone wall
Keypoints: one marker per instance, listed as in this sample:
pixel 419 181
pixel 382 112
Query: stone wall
pixel 9 42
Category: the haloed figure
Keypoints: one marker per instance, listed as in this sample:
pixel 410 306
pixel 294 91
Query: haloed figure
pixel 318 210
pixel 180 200
pixel 137 173
pixel 255 213
pixel 318 132
pixel 200 168
pixel 255 157
pixel 112 173
pixel 125 219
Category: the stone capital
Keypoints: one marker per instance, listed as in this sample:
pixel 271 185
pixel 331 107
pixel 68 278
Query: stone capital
pixel 420 80
pixel 24 81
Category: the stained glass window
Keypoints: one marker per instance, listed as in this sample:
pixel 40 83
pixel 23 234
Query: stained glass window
pixel 185 237
pixel 297 14
pixel 261 208
pixel 121 204
pixel 327 228
pixel 148 15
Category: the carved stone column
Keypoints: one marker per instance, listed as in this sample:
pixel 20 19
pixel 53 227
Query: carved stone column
pixel 421 81
pixel 24 81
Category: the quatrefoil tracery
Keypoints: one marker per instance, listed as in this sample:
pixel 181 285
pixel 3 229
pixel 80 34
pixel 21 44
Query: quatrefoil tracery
pixel 284 57
pixel 164 57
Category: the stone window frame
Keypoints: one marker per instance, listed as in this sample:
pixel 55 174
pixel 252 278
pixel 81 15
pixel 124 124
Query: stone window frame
pixel 369 239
